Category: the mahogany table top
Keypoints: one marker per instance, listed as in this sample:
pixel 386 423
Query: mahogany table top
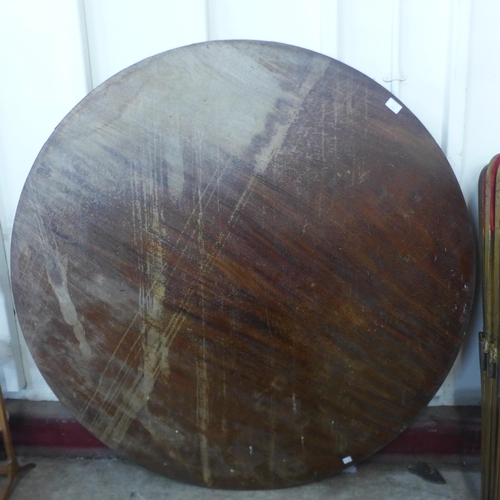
pixel 243 264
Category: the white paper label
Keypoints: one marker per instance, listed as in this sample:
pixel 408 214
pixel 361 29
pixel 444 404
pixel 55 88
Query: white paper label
pixel 393 105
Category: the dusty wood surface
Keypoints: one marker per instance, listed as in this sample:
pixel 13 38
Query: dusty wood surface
pixel 236 265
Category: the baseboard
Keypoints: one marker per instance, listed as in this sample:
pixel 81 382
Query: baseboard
pixel 441 430
pixel 47 428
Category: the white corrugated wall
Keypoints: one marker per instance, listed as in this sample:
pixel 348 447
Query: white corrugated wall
pixel 440 57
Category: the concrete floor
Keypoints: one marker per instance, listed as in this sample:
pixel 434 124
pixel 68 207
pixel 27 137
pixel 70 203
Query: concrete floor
pixel 60 478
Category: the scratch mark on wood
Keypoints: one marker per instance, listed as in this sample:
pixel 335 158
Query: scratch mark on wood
pixel 202 412
pixel 363 176
pixel 58 279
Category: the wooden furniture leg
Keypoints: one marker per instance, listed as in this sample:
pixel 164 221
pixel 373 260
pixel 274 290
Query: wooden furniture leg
pixel 12 468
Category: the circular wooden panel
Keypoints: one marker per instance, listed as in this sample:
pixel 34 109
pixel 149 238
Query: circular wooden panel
pixel 239 266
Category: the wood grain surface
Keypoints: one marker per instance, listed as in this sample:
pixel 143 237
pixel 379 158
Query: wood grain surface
pixel 235 264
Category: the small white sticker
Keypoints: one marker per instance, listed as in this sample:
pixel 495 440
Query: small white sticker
pixel 393 105
pixel 347 460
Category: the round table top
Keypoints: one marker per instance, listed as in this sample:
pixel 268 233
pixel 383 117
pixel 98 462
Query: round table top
pixel 243 264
